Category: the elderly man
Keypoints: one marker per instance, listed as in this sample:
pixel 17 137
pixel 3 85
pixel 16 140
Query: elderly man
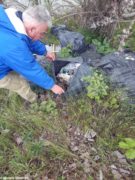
pixel 19 40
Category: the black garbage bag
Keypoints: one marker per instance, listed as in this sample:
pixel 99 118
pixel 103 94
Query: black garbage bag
pixel 76 83
pixel 66 37
pixel 119 67
pixel 90 54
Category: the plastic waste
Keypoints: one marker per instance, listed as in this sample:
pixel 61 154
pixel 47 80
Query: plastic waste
pixel 66 37
pixel 119 68
pixel 68 71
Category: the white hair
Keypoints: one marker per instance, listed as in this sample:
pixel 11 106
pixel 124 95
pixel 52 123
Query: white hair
pixel 37 14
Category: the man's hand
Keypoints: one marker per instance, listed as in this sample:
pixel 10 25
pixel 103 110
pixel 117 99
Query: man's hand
pixel 57 90
pixel 51 56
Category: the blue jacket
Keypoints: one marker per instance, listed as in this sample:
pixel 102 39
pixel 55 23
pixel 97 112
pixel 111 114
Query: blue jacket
pixel 16 54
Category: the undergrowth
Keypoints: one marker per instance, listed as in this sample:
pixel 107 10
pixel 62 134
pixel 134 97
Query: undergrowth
pixel 42 129
pixel 103 46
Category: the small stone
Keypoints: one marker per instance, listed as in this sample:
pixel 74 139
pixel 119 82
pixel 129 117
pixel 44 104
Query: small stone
pixel 90 135
pixel 72 167
pixel 86 166
pixel 113 167
pixel 17 139
pixel 115 172
pixel 74 149
pixel 65 172
pixel 120 157
pixel 77 132
pixel 123 171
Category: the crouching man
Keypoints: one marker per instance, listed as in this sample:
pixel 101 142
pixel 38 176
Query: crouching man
pixel 19 40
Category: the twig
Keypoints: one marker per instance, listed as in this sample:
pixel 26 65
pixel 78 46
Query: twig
pixel 69 15
pixel 78 13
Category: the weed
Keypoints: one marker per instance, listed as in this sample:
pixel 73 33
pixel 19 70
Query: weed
pixel 103 47
pixel 129 146
pixel 97 88
pixel 37 148
pixel 57 151
pixel 65 52
pixel 89 35
pixel 48 107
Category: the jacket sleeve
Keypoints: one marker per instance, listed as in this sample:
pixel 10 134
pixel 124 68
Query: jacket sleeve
pixel 37 47
pixel 21 60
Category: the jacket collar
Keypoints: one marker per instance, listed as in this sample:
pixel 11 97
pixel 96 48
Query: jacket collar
pixel 16 22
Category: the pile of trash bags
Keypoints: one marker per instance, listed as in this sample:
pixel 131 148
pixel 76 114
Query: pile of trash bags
pixel 119 67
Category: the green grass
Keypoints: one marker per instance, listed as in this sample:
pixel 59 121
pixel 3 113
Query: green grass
pixel 43 130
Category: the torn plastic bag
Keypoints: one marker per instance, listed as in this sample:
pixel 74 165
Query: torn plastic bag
pixel 77 83
pixel 66 37
pixel 119 67
pixel 73 70
pixel 68 71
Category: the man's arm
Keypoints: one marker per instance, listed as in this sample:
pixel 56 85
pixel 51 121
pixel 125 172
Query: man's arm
pixel 37 47
pixel 21 60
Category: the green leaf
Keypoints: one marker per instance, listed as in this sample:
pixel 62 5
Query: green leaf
pixel 123 145
pixel 130 142
pixel 127 143
pixel 130 154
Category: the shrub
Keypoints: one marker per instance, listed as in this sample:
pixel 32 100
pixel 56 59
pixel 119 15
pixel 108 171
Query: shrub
pixel 97 88
pixel 103 47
